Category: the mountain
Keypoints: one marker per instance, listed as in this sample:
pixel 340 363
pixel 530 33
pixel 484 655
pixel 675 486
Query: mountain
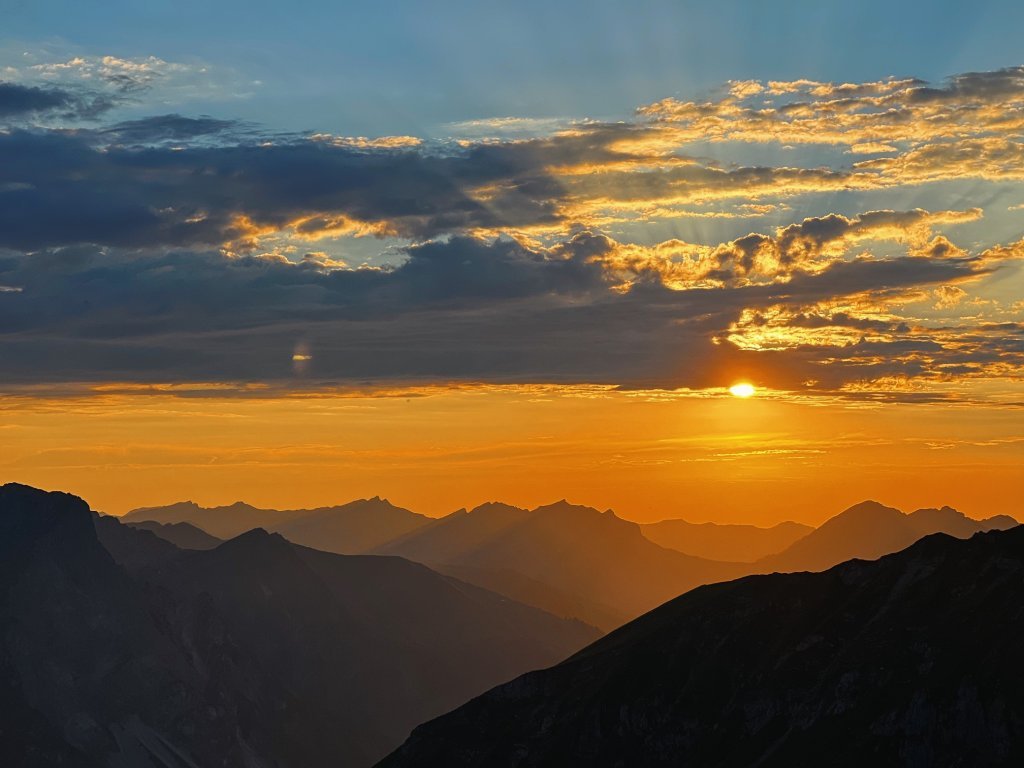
pixel 352 528
pixel 182 535
pixel 912 660
pixel 223 522
pixel 736 543
pixel 870 530
pixel 346 529
pixel 255 653
pixel 565 558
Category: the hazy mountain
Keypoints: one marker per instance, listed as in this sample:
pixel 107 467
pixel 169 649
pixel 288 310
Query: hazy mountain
pixel 183 535
pixel 222 522
pixel 351 528
pixel 457 536
pixel 255 653
pixel 566 558
pixel 870 530
pixel 911 660
pixel 736 543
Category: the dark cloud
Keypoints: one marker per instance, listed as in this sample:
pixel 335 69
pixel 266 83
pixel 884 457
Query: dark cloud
pixel 176 128
pixel 64 190
pixel 459 309
pixel 115 267
pixel 27 101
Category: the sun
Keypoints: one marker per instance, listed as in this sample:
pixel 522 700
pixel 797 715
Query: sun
pixel 743 389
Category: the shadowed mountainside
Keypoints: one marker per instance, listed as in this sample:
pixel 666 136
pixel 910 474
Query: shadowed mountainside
pixel 736 543
pixel 911 660
pixel 119 649
pixel 870 530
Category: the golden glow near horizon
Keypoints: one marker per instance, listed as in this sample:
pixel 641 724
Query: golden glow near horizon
pixel 649 455
pixel 742 389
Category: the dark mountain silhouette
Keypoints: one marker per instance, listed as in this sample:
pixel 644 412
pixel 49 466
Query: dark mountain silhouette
pixel 132 652
pixel 346 529
pixel 910 660
pixel 563 557
pixel 735 543
pixel 870 530
pixel 182 535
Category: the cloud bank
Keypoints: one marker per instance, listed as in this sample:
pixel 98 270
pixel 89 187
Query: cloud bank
pixel 175 248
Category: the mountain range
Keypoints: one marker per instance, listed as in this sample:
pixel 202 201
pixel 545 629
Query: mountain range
pixel 910 660
pixel 578 562
pixel 118 648
pixel 345 529
pixel 136 643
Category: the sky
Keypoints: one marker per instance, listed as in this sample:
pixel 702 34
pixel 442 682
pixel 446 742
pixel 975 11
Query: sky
pixel 520 252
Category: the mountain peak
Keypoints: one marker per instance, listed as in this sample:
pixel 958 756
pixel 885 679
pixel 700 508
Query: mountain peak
pixel 257 540
pixel 565 505
pixel 494 506
pixel 32 511
pixel 866 507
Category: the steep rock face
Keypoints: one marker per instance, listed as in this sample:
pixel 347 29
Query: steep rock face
pixel 255 653
pixel 911 660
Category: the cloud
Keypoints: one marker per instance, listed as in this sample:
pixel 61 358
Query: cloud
pixel 177 248
pixel 20 102
pixel 466 309
pixel 173 128
pixel 179 181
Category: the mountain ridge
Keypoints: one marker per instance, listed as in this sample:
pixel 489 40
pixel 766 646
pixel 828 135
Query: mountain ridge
pixel 910 660
pixel 115 643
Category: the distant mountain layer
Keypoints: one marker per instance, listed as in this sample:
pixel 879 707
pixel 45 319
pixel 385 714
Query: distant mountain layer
pixel 910 660
pixel 565 558
pixel 183 535
pixel 574 561
pixel 119 649
pixel 738 543
pixel 870 530
pixel 347 529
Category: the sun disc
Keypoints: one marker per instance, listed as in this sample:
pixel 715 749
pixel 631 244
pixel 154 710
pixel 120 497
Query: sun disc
pixel 743 389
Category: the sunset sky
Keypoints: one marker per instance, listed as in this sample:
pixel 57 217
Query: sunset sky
pixel 515 252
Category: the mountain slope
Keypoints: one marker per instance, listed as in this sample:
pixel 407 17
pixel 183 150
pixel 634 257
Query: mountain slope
pixel 255 653
pixel 911 660
pixel 736 543
pixel 870 530
pixel 562 557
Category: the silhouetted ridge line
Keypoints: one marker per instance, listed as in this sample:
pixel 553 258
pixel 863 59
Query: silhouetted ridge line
pixel 118 648
pixel 909 660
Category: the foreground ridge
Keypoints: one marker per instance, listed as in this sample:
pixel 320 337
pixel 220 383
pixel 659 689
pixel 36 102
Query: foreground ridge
pixel 910 660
